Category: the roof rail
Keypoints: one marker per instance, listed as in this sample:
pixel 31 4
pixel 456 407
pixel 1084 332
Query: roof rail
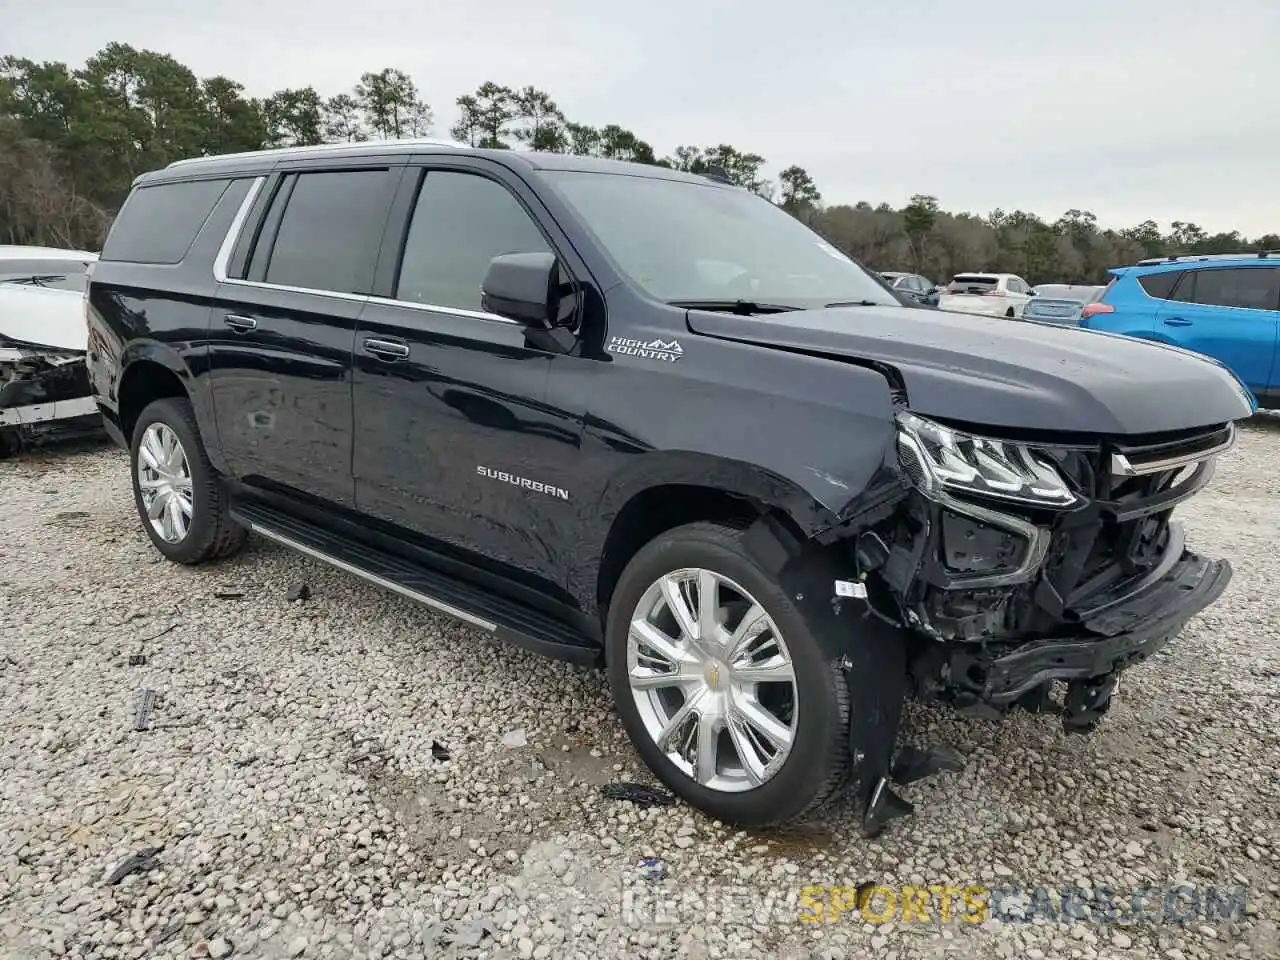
pixel 1258 254
pixel 287 152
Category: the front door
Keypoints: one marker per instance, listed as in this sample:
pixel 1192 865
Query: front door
pixel 281 332
pixel 453 439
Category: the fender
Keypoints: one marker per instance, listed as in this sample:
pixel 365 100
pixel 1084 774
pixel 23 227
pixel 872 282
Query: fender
pixel 162 354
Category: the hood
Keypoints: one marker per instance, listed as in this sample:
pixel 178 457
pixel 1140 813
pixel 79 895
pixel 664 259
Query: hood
pixel 34 316
pixel 1009 373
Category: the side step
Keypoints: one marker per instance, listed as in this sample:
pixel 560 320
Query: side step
pixel 504 618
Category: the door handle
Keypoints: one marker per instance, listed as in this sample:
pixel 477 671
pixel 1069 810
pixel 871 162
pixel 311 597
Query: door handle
pixel 238 322
pixel 1176 322
pixel 386 349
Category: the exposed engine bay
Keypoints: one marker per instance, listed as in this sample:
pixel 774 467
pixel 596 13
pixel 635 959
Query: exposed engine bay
pixel 44 383
pixel 1017 564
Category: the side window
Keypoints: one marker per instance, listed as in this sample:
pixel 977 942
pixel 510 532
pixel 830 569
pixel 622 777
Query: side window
pixel 460 222
pixel 1015 285
pixel 157 224
pixel 1184 288
pixel 330 230
pixel 1257 288
pixel 1159 285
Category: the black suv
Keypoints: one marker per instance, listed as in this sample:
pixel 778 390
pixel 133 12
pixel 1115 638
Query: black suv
pixel 639 418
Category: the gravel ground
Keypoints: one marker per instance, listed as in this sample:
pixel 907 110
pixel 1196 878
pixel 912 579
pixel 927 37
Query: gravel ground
pixel 349 775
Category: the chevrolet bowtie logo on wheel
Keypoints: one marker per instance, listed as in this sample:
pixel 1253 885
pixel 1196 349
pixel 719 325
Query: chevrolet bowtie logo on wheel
pixel 657 349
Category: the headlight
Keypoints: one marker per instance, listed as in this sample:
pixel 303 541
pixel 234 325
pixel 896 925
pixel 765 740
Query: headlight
pixel 937 458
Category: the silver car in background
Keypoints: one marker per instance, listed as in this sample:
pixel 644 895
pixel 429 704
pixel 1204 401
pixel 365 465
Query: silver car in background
pixel 1060 302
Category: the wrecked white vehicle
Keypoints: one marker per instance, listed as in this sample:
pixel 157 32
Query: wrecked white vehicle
pixel 44 385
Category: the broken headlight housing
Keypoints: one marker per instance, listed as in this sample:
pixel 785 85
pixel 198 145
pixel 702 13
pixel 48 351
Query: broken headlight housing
pixel 941 459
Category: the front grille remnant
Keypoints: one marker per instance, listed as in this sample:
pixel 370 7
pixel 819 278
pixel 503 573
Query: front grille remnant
pixel 952 567
pixel 1160 457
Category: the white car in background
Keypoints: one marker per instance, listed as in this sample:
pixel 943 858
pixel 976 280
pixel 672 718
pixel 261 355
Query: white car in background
pixel 44 384
pixel 989 294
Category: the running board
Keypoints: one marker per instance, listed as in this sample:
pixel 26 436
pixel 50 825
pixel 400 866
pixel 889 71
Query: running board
pixel 499 616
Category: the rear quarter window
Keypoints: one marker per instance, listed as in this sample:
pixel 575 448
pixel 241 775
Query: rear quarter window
pixel 158 223
pixel 1160 285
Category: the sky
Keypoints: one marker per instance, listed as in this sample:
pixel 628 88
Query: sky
pixel 1134 110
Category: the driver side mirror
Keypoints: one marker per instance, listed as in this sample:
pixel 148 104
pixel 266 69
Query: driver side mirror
pixel 524 287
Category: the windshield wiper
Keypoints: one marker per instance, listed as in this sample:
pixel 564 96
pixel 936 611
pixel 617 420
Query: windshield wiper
pixel 743 307
pixel 856 303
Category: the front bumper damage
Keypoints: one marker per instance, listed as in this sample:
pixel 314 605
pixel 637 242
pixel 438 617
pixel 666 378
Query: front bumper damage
pixel 1106 643
pixel 1003 602
pixel 44 394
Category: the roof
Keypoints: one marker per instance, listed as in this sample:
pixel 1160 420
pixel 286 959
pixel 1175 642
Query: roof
pixel 44 253
pixel 262 160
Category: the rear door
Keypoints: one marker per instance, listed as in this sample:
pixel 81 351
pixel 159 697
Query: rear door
pixel 1229 313
pixel 283 327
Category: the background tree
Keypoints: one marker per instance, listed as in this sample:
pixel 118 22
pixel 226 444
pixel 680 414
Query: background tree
pixel 485 115
pixel 342 119
pixel 294 118
pixel 73 139
pixel 799 192
pixel 389 101
pixel 542 125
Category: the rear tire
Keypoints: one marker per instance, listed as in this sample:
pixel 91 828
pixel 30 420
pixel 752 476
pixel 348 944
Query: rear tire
pixel 1009 313
pixel 745 716
pixel 181 499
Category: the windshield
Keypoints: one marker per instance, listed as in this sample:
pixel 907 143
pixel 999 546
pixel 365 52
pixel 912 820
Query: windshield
pixel 683 241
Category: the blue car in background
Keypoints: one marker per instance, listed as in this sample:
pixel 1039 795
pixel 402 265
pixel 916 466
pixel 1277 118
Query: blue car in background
pixel 1060 302
pixel 1226 306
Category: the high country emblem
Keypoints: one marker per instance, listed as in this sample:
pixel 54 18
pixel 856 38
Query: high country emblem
pixel 536 486
pixel 657 349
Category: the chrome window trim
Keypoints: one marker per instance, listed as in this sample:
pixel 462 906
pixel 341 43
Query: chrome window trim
pixel 233 236
pixel 233 231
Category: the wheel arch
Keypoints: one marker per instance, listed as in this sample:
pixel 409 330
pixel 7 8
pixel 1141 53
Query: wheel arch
pixel 693 487
pixel 150 371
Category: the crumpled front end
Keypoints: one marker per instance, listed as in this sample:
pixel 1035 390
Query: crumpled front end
pixel 1020 562
pixel 43 392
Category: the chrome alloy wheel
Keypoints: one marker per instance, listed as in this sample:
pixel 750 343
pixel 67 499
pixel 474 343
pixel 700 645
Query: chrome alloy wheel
pixel 164 479
pixel 712 679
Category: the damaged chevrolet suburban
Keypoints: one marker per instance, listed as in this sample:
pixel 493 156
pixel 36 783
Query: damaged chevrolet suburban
pixel 643 419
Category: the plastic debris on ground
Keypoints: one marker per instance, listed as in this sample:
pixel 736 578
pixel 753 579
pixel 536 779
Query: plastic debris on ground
pixel 140 862
pixel 515 738
pixel 638 794
pixel 653 869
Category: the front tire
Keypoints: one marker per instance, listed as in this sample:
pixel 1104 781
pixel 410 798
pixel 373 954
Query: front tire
pixel 181 500
pixel 735 705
